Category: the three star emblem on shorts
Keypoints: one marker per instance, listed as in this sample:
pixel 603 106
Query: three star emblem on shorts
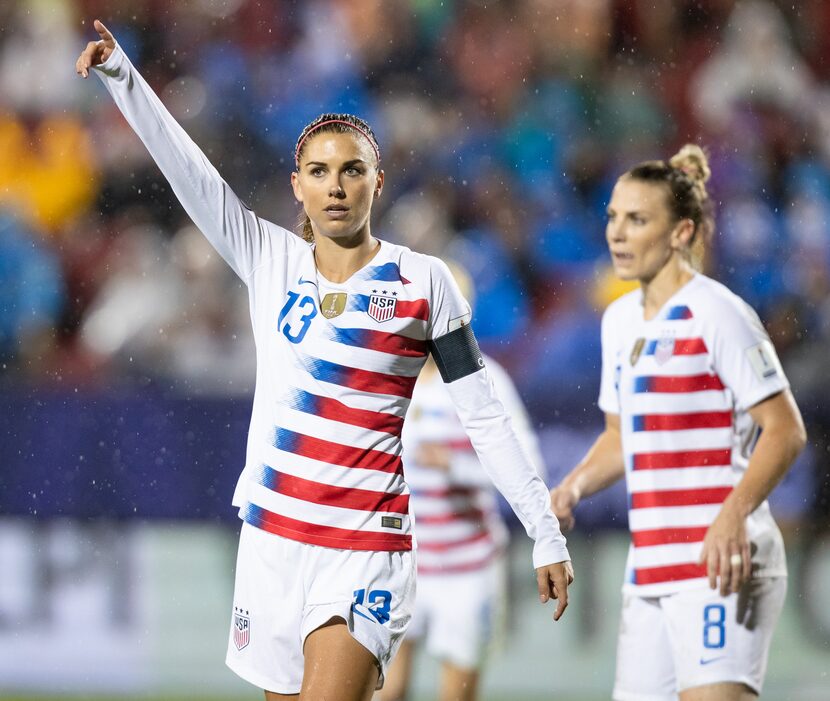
pixel 241 627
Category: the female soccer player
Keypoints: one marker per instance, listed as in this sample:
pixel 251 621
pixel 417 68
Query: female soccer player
pixel 325 574
pixel 461 536
pixel 700 420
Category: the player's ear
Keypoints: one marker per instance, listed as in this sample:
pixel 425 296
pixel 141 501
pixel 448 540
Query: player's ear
pixel 682 234
pixel 295 185
pixel 379 183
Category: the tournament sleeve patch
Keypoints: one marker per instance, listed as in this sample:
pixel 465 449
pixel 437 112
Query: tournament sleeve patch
pixel 457 354
pixel 763 360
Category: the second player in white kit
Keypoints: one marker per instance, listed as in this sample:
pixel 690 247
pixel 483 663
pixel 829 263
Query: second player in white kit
pixel 701 423
pixel 461 537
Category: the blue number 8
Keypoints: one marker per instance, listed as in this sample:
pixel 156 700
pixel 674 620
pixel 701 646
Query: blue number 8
pixel 305 319
pixel 714 632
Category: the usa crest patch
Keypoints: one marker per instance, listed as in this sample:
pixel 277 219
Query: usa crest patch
pixel 241 628
pixel 381 307
pixel 664 349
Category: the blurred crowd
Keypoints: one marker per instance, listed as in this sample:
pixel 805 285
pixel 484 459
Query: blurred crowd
pixel 502 124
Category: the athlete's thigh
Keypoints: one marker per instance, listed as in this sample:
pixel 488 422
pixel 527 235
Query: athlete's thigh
pixel 724 640
pixel 337 666
pixel 645 664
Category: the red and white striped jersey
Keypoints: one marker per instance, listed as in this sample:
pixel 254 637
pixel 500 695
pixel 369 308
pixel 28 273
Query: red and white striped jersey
pixel 457 521
pixel 682 383
pixel 336 364
pixel 324 457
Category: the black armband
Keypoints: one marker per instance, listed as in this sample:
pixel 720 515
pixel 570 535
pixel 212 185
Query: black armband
pixel 457 354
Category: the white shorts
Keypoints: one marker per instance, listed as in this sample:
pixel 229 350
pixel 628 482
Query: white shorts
pixel 286 589
pixel 456 614
pixel 671 643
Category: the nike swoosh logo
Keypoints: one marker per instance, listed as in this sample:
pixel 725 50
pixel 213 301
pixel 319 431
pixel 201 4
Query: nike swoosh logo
pixel 713 659
pixel 306 282
pixel 360 613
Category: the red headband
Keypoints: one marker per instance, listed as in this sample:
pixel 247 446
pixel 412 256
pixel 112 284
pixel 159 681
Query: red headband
pixel 335 121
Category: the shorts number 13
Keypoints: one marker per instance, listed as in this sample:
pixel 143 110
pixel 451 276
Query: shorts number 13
pixel 378 602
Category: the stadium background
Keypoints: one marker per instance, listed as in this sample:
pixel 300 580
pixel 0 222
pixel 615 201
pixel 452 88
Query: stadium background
pixel 125 356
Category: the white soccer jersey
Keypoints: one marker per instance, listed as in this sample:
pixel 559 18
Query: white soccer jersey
pixel 457 520
pixel 334 374
pixel 682 384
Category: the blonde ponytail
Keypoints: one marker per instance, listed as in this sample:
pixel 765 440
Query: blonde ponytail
pixel 692 160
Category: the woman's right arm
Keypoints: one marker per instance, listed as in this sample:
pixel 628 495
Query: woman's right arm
pixel 232 228
pixel 601 467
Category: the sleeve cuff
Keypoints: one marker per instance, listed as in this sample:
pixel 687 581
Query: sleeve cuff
pixel 112 66
pixel 549 553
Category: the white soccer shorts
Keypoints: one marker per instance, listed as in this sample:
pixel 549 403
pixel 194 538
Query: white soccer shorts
pixel 671 643
pixel 456 614
pixel 286 589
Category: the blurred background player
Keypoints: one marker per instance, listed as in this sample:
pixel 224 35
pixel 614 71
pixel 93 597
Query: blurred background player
pixel 343 324
pixel 461 536
pixel 701 422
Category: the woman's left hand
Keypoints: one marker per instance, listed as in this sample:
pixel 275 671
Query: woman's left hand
pixel 553 582
pixel 726 552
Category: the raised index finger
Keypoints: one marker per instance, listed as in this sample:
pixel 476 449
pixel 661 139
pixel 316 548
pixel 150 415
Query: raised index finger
pixel 104 33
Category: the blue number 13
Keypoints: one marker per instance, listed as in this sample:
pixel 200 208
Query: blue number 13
pixel 378 602
pixel 293 334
